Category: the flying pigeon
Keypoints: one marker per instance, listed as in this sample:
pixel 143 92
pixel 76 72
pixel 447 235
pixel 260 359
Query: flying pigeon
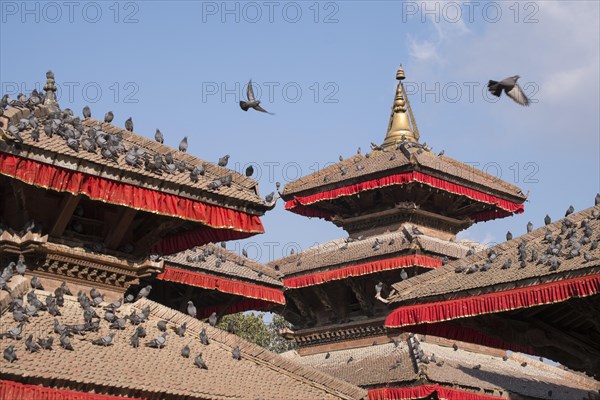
pixel 511 88
pixel 252 102
pixel 183 145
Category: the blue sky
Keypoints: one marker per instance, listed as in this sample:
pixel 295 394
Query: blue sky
pixel 330 68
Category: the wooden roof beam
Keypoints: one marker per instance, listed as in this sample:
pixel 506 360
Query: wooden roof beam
pixel 67 208
pixel 117 232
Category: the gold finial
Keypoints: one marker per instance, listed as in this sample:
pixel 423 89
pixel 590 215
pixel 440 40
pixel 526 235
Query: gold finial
pixel 50 88
pixel 400 74
pixel 402 124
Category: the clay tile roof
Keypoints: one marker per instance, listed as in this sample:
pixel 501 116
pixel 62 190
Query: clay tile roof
pixel 533 380
pixel 384 364
pixel 334 253
pixel 445 281
pixel 372 365
pixel 383 163
pixel 236 266
pixel 55 151
pixel 155 373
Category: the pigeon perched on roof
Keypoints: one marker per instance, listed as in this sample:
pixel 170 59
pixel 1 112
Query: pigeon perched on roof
pixel 87 113
pixel 191 309
pixel 569 211
pixel 129 124
pixel 511 88
pixel 30 345
pixel 403 274
pixel 223 160
pixel 36 284
pixel 183 145
pixel 252 102
pixel 236 353
pixel 509 236
pixel 9 353
pixel 108 117
pixel 144 292
pixel 185 352
pixel 199 362
pixel 249 170
pixel 547 220
pixel 162 325
pixel 158 342
pixel 203 337
pixel 104 340
pixel 212 320
pixel 158 136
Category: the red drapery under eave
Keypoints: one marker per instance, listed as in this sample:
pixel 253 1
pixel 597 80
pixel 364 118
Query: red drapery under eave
pixel 546 293
pixel 113 192
pixel 10 390
pixel 362 269
pixel 420 392
pixel 224 285
pixel 300 204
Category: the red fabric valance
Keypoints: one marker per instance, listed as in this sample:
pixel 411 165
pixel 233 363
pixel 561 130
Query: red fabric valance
pixel 362 269
pixel 299 204
pixel 551 292
pixel 10 390
pixel 421 392
pixel 119 193
pixel 224 285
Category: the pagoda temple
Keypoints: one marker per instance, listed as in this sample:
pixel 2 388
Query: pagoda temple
pixel 402 206
pixel 98 227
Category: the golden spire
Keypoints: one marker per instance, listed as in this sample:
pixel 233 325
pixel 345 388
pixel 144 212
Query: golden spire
pixel 402 126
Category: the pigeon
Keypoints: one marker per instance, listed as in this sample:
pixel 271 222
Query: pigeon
pixel 108 117
pixel 269 197
pixel 191 309
pixel 158 342
pixel 231 327
pixel 185 352
pixel 547 220
pixel 183 145
pixel 403 275
pixel 158 136
pixel 509 236
pixel 203 337
pixel 135 340
pixel 9 353
pixel 529 227
pixel 119 323
pixel 327 355
pixel 236 353
pixel 511 88
pixel 597 199
pixel 180 330
pixel 569 211
pixel 87 113
pixel 46 343
pixel 162 326
pixel 199 362
pixel 445 260
pixel 504 357
pixel 104 340
pixel 507 264
pixel 379 287
pixel 65 342
pixel 14 333
pixel 144 292
pixel 588 257
pixel 212 320
pixel 30 345
pixel 252 102
pixel 21 268
pixel 129 124
pixel 36 284
pixel 140 331
pixel 523 364
pixel 249 171
pixel 478 366
pixel 223 161
pixel 455 347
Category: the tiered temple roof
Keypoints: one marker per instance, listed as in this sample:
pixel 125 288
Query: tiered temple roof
pixel 551 293
pixel 151 373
